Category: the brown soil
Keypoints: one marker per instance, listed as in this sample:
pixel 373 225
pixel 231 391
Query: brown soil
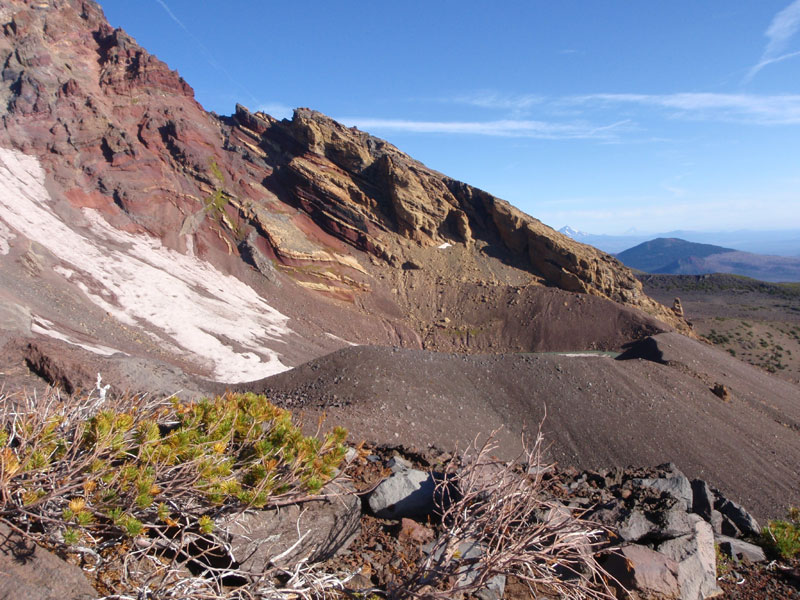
pixel 762 582
pixel 597 412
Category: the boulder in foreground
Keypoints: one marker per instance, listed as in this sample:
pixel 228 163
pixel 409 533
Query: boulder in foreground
pixel 29 572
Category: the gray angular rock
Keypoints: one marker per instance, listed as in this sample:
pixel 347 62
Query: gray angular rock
pixel 629 525
pixel 702 499
pixel 738 516
pixel 716 521
pixel 29 572
pixel 676 485
pixel 397 464
pixel 645 571
pixel 327 526
pixel 406 493
pixel 727 527
pixel 696 558
pixel 673 522
pixel 636 524
pixel 740 550
pixel 469 550
pixel 494 589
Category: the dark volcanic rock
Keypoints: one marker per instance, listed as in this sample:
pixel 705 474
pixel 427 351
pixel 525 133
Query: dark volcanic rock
pixel 702 499
pixel 646 523
pixel 56 369
pixel 676 485
pixel 405 493
pixel 697 562
pixel 646 571
pixel 740 550
pixel 738 516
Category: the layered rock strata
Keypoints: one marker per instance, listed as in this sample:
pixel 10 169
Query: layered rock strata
pixel 343 236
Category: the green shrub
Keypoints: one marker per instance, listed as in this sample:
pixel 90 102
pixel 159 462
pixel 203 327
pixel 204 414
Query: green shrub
pixel 783 537
pixel 131 466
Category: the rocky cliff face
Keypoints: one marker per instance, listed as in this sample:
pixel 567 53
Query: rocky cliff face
pixel 282 239
pixel 363 188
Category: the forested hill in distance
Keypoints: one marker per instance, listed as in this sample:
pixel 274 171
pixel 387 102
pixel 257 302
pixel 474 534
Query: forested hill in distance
pixel 778 242
pixel 679 257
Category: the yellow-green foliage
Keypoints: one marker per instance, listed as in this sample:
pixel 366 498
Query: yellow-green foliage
pixel 135 469
pixel 216 171
pixel 216 202
pixel 783 537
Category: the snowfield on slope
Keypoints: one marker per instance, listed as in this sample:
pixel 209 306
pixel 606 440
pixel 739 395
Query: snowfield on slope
pixel 221 322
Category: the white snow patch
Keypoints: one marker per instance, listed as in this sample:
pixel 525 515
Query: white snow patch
pixel 63 271
pixel 583 354
pixel 444 246
pixel 45 327
pixel 111 309
pixel 189 245
pixel 5 237
pixel 186 300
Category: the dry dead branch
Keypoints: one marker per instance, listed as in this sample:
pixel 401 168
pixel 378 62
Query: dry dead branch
pixel 496 520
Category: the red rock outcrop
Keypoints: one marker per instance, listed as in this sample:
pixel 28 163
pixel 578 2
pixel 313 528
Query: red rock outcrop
pixel 338 230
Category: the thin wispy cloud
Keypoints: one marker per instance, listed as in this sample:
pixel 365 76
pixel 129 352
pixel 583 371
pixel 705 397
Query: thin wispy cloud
pixel 495 100
pixel 678 192
pixel 173 16
pixel 782 29
pixel 503 128
pixel 744 108
pixel 579 116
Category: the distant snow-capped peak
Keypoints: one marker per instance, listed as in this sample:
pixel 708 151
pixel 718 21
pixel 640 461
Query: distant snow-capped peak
pixel 573 233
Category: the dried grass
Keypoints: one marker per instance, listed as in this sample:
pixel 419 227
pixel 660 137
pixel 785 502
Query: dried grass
pixel 500 510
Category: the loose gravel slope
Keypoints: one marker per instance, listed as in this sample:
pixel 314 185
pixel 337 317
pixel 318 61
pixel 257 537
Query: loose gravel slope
pixel 599 411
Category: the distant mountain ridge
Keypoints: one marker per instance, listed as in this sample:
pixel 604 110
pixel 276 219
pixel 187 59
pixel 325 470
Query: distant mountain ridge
pixel 774 242
pixel 667 255
pixel 573 233
pixel 679 257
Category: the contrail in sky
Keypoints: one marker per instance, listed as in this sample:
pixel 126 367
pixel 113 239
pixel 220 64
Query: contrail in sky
pixel 783 27
pixel 172 15
pixel 209 57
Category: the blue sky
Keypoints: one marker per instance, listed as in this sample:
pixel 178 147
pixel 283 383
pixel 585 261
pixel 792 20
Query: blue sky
pixel 604 116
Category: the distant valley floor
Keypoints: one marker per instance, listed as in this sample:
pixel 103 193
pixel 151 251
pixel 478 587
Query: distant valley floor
pixel 757 322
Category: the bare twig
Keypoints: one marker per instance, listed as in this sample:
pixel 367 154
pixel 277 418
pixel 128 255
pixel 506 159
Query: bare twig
pixel 497 521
